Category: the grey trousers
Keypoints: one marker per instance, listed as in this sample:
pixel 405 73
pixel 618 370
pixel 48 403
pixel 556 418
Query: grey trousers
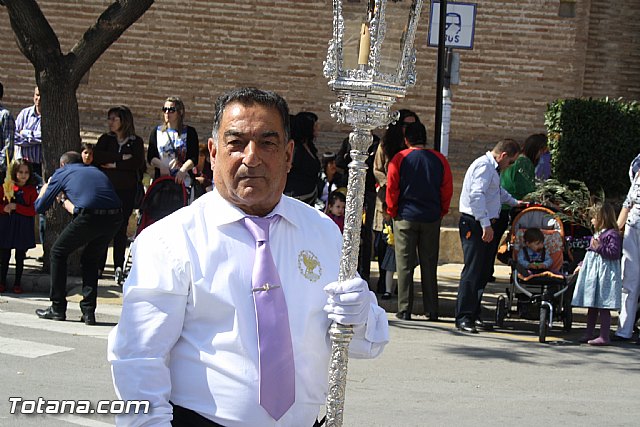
pixel 417 240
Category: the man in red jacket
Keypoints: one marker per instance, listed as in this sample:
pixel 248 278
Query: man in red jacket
pixel 419 190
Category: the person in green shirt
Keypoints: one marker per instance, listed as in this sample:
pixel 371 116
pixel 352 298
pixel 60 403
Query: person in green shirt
pixel 519 180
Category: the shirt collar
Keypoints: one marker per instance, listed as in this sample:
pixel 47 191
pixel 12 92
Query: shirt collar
pixel 32 111
pixel 227 213
pixel 492 159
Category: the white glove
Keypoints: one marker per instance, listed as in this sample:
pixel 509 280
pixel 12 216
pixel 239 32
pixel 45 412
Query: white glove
pixel 348 302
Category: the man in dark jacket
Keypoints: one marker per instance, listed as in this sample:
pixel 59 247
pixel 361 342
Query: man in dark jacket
pixel 419 190
pixel 86 193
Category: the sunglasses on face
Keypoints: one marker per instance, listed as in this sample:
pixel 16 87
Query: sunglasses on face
pixel 169 109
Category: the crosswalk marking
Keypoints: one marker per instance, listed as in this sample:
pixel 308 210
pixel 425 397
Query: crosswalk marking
pixel 73 328
pixel 29 349
pixel 74 419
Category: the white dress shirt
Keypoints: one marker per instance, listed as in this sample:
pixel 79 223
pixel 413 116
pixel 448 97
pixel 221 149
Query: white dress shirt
pixel 187 333
pixel 481 195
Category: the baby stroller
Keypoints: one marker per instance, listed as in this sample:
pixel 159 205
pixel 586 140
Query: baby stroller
pixel 541 295
pixel 163 197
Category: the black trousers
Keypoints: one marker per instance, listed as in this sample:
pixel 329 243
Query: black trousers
pixel 94 233
pixel 120 239
pixel 500 226
pixel 183 417
pixel 478 258
pixel 364 259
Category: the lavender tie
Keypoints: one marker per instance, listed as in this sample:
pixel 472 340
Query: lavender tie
pixel 277 372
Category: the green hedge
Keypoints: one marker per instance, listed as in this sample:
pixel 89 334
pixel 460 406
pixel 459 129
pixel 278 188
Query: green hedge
pixel 594 141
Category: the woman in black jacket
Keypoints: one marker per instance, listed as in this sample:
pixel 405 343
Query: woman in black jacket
pixel 119 153
pixel 304 176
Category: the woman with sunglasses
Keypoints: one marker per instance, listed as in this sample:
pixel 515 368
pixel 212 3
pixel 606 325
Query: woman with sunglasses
pixel 173 146
pixel 119 153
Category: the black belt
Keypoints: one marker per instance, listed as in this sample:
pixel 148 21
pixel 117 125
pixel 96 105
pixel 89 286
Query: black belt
pixel 466 215
pixel 100 211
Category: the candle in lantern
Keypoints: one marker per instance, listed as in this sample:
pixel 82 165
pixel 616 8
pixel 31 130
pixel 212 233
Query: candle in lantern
pixel 365 44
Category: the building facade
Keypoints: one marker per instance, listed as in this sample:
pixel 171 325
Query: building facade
pixel 526 53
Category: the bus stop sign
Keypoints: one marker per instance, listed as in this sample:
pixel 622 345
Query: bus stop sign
pixel 459 27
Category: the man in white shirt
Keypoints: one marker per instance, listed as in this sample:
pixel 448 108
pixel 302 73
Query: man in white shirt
pixel 187 340
pixel 480 202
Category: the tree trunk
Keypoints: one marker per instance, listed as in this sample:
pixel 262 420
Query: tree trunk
pixel 57 77
pixel 60 133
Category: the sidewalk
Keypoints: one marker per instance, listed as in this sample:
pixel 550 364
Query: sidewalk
pixel 36 282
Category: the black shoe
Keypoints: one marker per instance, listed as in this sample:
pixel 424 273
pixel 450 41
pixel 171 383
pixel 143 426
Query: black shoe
pixel 403 315
pixel 467 326
pixel 618 338
pixel 88 319
pixel 386 295
pixel 484 326
pixel 432 317
pixel 50 314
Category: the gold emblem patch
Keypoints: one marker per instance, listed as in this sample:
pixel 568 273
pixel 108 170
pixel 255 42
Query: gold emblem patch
pixel 309 265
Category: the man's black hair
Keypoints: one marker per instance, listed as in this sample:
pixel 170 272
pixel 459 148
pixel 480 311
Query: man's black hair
pixel 416 134
pixel 249 96
pixel 70 157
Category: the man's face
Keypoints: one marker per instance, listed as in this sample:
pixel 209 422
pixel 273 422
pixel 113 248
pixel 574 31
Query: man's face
pixel 252 158
pixel 36 99
pixel 504 161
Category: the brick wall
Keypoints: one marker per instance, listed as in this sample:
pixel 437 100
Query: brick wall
pixel 524 56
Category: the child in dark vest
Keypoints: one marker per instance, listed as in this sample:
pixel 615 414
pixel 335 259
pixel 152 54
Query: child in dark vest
pixel 533 257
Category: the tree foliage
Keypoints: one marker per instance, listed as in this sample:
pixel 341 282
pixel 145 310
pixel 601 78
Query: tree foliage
pixel 593 141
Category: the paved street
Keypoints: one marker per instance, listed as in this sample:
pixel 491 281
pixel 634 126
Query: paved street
pixel 429 374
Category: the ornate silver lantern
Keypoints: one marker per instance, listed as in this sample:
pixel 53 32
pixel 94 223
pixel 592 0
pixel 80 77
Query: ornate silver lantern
pixel 370 63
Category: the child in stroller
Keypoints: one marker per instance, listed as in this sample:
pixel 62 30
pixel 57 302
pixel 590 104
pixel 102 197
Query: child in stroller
pixel 533 258
pixel 538 293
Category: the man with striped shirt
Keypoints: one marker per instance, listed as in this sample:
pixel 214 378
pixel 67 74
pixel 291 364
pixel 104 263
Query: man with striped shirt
pixel 28 137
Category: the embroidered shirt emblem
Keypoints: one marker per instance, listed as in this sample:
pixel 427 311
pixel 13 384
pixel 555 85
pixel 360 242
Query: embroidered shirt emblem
pixel 309 266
